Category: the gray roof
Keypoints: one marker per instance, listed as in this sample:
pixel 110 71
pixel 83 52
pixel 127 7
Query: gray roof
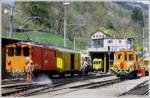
pixel 62 49
pixel 99 31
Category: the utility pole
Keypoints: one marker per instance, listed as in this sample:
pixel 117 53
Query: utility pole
pixel 65 28
pixel 10 5
pixel 74 43
pixel 143 43
pixel 11 22
pixel 65 5
pixel 109 58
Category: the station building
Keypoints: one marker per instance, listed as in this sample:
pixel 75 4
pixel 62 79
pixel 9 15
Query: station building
pixel 103 46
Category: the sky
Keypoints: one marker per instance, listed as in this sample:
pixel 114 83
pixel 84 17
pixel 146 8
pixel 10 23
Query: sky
pixel 143 1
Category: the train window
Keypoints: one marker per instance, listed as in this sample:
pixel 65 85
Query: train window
pixel 136 58
pixel 26 51
pixel 120 56
pixel 131 57
pixel 93 62
pixel 10 51
pixel 18 51
pixel 99 62
pixel 125 57
pixel 96 62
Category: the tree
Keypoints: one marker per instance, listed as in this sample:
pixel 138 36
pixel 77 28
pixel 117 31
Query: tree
pixel 39 10
pixel 137 16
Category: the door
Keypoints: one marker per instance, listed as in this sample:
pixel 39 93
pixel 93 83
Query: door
pixel 49 60
pixel 72 62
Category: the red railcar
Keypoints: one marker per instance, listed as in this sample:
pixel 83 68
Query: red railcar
pixel 46 59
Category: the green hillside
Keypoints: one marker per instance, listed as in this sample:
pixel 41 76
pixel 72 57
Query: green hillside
pixel 119 19
pixel 48 38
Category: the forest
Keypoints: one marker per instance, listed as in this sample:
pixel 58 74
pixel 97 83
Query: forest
pixel 46 21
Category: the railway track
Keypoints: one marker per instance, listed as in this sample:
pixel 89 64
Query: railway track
pixel 141 89
pixel 29 89
pixel 20 89
pixel 65 89
pixel 94 85
pixel 11 81
pixel 17 89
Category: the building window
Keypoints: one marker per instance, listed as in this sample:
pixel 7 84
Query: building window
pixel 128 42
pixel 110 41
pixel 98 42
pixel 94 36
pixel 119 41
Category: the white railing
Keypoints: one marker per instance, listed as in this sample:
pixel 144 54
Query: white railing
pixel 112 48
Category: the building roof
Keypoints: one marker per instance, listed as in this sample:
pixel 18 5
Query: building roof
pixel 99 31
pixel 42 45
pixel 117 38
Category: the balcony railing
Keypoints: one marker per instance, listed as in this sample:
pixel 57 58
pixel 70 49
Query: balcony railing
pixel 112 48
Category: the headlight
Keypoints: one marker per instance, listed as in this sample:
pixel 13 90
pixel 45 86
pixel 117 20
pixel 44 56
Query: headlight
pixel 128 65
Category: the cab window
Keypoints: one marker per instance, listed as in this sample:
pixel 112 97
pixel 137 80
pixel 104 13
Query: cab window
pixel 10 51
pixel 120 56
pixel 26 51
pixel 18 51
pixel 136 58
pixel 131 57
pixel 95 62
pixel 99 62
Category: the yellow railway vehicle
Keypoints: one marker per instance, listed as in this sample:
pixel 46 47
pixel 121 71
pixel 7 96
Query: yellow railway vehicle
pixel 16 56
pixel 126 64
pixel 67 60
pixel 144 63
pixel 97 64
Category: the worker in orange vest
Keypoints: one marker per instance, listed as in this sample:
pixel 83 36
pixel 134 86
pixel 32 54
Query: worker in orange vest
pixel 30 68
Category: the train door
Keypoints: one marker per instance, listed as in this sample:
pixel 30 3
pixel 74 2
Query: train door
pixel 49 60
pixel 18 59
pixel 26 54
pixel 72 62
pixel 9 58
pixel 37 57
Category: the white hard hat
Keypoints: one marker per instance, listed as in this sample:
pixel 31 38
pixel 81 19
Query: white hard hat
pixel 27 58
pixel 31 61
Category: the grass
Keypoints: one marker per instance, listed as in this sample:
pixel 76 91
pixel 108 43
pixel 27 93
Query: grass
pixel 44 37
